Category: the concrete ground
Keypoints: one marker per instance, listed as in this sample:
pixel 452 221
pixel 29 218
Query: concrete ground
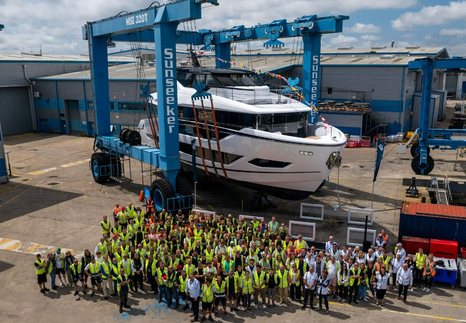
pixel 52 201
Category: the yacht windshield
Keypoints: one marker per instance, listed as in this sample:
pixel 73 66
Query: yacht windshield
pixel 292 124
pixel 239 79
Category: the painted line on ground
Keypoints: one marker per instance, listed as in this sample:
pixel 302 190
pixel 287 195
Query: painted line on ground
pixel 51 169
pixel 442 318
pixel 441 303
pixel 30 248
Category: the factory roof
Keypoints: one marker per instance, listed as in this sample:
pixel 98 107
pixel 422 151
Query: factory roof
pixel 263 62
pixel 381 50
pixel 45 58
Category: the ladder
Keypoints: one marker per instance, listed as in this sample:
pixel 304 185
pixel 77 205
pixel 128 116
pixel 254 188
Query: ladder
pixel 441 189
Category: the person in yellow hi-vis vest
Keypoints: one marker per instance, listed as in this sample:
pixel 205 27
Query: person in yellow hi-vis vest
pixel 41 274
pixel 219 289
pixel 260 284
pixel 420 261
pixel 207 300
pixel 105 227
pixel 182 279
pixel 283 280
pixel 247 287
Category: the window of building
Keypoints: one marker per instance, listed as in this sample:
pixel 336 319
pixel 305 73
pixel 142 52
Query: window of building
pixel 131 106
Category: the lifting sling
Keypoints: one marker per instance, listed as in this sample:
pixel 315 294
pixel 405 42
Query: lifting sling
pixel 199 139
pixel 207 131
pixel 219 151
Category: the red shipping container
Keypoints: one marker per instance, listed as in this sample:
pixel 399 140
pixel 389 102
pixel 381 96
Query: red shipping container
pixel 463 252
pixel 412 244
pixel 444 248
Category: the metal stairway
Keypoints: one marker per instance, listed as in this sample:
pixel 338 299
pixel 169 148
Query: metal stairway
pixel 441 189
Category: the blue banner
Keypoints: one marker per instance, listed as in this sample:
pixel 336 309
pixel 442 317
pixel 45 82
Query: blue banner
pixel 378 162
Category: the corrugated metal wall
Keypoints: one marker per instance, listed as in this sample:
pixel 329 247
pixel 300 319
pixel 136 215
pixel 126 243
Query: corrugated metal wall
pixel 11 73
pixel 364 83
pixel 15 112
pixel 433 227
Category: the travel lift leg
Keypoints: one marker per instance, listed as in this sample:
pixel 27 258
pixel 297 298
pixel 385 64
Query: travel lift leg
pixel 423 163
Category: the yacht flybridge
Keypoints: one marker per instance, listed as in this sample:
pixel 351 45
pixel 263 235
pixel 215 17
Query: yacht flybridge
pixel 250 135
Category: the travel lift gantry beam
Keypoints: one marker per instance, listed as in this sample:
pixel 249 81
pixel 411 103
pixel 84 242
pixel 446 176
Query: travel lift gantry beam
pixel 423 163
pixel 159 24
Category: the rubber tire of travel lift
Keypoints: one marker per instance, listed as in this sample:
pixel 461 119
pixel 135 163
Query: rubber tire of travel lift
pixel 123 134
pixel 97 160
pixel 417 169
pixel 133 138
pixel 414 149
pixel 161 190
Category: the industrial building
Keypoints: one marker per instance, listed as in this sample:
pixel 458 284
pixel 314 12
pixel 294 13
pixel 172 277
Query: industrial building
pixel 378 77
pixel 17 110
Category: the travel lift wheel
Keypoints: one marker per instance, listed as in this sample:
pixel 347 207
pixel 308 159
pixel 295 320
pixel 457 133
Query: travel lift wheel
pixel 161 191
pixel 424 168
pixel 415 149
pixel 97 161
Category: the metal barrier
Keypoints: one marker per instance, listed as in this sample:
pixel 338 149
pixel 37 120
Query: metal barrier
pixel 313 209
pixel 352 212
pixel 205 212
pixel 306 229
pixel 355 236
pixel 182 202
pixel 250 217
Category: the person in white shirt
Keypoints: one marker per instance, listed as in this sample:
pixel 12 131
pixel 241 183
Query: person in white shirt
pixel 310 281
pixel 193 290
pixel 370 256
pixel 381 286
pixel 395 265
pixel 220 249
pixel 333 267
pixel 404 278
pixel 322 289
pixel 329 244
pixel 318 265
pixel 60 266
pixel 401 251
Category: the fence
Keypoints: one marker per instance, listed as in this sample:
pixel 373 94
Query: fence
pixel 210 213
pixel 250 217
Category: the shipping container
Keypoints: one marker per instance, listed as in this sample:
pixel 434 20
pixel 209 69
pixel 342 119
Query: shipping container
pixel 433 221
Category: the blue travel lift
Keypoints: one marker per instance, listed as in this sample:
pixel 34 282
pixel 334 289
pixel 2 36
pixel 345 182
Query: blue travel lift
pixel 159 24
pixel 422 163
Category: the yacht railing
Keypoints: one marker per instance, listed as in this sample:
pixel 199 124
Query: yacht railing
pixel 249 96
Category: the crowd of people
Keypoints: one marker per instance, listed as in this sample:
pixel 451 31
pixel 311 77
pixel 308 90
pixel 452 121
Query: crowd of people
pixel 224 262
